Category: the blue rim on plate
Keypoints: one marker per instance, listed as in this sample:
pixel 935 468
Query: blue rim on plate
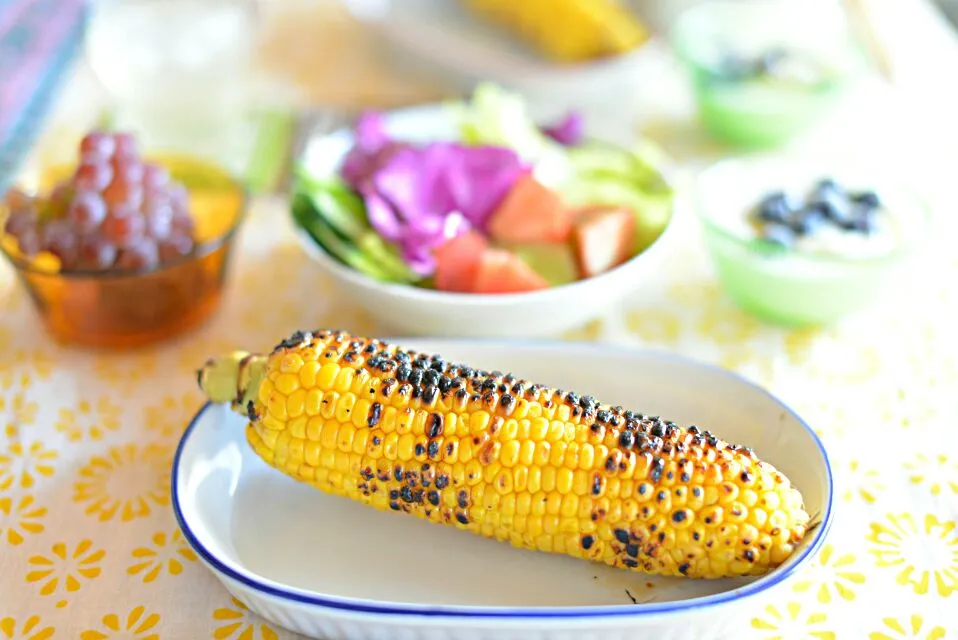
pixel 569 613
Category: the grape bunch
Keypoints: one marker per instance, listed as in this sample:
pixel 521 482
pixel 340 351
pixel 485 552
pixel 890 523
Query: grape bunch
pixel 116 211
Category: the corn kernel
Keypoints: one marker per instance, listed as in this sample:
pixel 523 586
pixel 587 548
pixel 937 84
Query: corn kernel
pixel 509 454
pixel 307 374
pixel 265 391
pixel 523 503
pixel 557 458
pixel 287 383
pixel 311 453
pixel 327 374
pixel 314 402
pixel 538 429
pixel 535 479
pixel 563 480
pixel 297 427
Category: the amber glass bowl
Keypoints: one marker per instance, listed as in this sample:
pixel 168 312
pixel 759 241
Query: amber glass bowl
pixel 126 309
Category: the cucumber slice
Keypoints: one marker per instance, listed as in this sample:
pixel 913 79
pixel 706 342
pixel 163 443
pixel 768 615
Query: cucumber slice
pixel 387 256
pixel 367 253
pixel 341 207
pixel 332 243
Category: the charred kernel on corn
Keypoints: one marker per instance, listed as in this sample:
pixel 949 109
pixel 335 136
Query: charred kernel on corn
pixel 507 459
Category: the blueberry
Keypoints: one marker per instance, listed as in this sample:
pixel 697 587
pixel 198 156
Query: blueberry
pixel 867 199
pixel 833 205
pixel 767 63
pixel 808 220
pixel 827 188
pixel 865 222
pixel 776 207
pixel 779 235
pixel 733 67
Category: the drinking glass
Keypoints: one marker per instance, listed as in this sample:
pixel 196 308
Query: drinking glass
pixel 178 72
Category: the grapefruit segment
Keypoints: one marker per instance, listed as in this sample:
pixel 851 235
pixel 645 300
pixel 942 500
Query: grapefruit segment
pixel 602 238
pixel 530 213
pixel 457 261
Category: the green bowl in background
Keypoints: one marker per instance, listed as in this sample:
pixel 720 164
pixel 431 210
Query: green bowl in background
pixel 788 287
pixel 759 113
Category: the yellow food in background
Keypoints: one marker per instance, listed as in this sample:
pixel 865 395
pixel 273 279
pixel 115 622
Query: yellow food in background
pixel 507 459
pixel 566 30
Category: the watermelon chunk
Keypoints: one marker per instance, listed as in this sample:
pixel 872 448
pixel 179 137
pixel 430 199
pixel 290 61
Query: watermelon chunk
pixel 502 271
pixel 602 238
pixel 530 213
pixel 457 261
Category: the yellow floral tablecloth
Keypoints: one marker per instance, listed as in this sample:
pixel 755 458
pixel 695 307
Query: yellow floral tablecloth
pixel 89 547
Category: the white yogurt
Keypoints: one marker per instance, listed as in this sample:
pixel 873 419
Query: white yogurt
pixel 731 191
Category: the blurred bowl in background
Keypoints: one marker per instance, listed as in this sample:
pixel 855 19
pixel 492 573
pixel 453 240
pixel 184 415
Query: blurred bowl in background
pixel 439 38
pixel 764 72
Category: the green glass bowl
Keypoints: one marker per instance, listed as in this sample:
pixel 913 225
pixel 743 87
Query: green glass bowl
pixel 791 288
pixel 758 113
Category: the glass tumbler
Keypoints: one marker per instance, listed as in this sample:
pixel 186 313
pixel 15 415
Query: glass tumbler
pixel 178 72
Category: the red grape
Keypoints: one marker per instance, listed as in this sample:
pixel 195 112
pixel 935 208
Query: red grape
pixel 87 211
pixel 17 200
pixel 28 242
pixel 121 192
pixel 130 169
pixel 59 238
pixel 183 224
pixel 95 253
pixel 126 146
pixel 155 178
pixel 175 246
pixel 21 221
pixel 97 144
pixel 159 218
pixel 93 175
pixel 123 226
pixel 143 254
pixel 179 197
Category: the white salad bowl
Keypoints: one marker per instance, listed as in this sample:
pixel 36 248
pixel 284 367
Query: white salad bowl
pixel 420 311
pixel 330 568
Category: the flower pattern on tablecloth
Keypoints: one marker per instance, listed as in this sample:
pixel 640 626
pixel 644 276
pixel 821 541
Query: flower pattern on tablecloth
pixel 167 552
pixel 61 572
pixel 20 517
pixel 792 620
pixel 922 551
pixel 138 624
pixel 91 420
pixel 914 627
pixel 128 482
pixel 21 464
pixel 237 622
pixel 30 628
pixel 832 575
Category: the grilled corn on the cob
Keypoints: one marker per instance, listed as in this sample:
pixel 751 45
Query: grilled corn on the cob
pixel 507 459
pixel 565 30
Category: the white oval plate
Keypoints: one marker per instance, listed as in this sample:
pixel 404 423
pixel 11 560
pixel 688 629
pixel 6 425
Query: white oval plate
pixel 331 568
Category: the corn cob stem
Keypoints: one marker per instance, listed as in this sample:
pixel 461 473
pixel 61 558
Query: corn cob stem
pixel 508 459
pixel 234 378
